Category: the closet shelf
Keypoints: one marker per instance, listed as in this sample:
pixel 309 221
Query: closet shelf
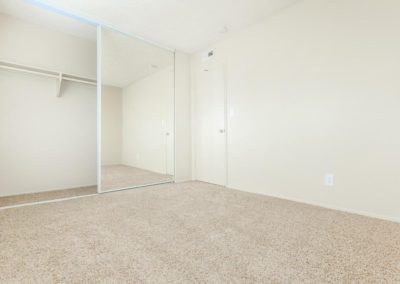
pixel 48 73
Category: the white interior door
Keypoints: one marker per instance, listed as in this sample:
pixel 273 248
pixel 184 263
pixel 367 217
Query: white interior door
pixel 210 126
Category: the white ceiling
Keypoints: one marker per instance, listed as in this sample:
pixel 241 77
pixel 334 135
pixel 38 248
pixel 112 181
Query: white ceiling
pixel 26 11
pixel 185 25
pixel 126 59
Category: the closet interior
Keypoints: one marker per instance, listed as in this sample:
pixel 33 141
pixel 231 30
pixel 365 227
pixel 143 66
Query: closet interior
pixel 47 105
pixel 83 109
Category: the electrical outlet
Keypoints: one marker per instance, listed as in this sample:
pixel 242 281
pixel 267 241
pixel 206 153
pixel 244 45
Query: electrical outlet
pixel 329 179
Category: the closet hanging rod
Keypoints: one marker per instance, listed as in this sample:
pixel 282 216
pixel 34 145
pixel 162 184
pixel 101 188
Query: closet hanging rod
pixel 47 73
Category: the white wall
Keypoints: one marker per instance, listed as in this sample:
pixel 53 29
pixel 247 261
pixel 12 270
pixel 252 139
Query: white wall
pixel 30 44
pixel 183 128
pixel 111 128
pixel 46 143
pixel 148 114
pixel 315 90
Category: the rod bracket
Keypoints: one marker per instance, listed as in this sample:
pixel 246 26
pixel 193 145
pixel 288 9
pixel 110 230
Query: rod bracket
pixel 59 84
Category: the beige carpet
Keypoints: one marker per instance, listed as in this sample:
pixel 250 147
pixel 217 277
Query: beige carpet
pixel 193 233
pixel 122 176
pixel 45 196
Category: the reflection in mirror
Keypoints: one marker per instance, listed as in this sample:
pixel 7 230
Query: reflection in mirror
pixel 137 146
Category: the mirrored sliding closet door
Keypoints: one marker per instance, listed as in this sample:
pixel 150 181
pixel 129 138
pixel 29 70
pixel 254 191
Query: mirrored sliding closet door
pixel 137 112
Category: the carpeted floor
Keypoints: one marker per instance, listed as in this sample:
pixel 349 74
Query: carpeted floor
pixel 122 176
pixel 193 233
pixel 46 195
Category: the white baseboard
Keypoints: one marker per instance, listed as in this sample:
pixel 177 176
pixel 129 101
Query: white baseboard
pixel 346 210
pixel 46 201
pixel 182 180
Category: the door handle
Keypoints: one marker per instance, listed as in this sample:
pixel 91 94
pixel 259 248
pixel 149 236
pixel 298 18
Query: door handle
pixel 221 130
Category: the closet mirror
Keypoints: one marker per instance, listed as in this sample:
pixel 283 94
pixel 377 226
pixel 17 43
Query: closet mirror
pixel 137 112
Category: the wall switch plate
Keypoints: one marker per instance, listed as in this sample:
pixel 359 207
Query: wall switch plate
pixel 329 179
pixel 232 112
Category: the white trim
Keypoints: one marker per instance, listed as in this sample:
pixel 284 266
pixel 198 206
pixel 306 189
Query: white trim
pixel 174 124
pixel 193 96
pixel 351 211
pixel 76 197
pixel 137 186
pixel 89 19
pixel 226 106
pixel 46 201
pixel 183 180
pixel 98 103
pixel 345 210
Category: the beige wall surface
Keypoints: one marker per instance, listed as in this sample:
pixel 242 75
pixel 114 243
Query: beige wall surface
pixel 46 143
pixel 313 90
pixel 29 44
pixel 111 125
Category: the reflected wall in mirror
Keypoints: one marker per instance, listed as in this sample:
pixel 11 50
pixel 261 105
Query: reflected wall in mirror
pixel 137 113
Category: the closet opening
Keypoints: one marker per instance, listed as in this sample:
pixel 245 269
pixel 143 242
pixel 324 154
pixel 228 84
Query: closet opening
pixel 47 106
